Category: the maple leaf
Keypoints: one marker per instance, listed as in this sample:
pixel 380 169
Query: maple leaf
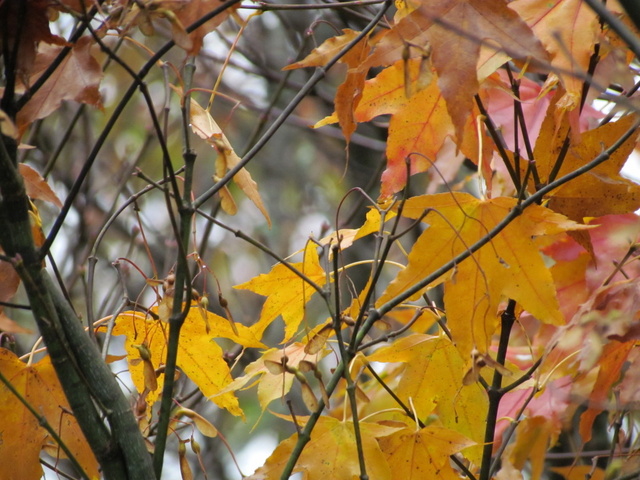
pixel 579 472
pixel 551 402
pixel 30 20
pixel 331 453
pixel 193 10
pixel 287 293
pixel 423 453
pixel 9 283
pixel 602 190
pixel 22 436
pixel 432 380
pixel 610 367
pixel 76 78
pixel 349 92
pixel 510 266
pixel 37 187
pixel 419 124
pixel 580 273
pixel 568 29
pixel 199 357
pixel 454 30
pixel 179 14
pixel 203 125
pixel 346 236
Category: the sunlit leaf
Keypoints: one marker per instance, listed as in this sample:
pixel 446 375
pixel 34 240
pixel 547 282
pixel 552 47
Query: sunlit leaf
pixel 432 379
pixel 287 293
pixel 510 266
pixel 199 356
pixel 424 453
pixel 331 453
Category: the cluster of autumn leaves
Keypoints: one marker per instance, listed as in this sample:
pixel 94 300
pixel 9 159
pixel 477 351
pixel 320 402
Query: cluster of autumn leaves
pixel 567 261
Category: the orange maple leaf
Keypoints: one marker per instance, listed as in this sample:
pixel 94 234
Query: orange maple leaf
pixel 419 124
pixel 22 436
pixel 455 29
pixel 534 435
pixel 568 29
pixel 349 92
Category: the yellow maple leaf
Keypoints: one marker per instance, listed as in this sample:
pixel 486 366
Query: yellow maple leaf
pixel 199 356
pixel 21 436
pixel 432 380
pixel 423 453
pixel 331 453
pixel 510 266
pixel 287 293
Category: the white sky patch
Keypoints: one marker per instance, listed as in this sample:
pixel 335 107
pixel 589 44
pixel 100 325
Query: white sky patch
pixel 253 455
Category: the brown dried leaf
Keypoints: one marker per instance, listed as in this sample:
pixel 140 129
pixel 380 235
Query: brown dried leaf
pixel 37 187
pixel 76 78
pixel 192 11
pixel 30 20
